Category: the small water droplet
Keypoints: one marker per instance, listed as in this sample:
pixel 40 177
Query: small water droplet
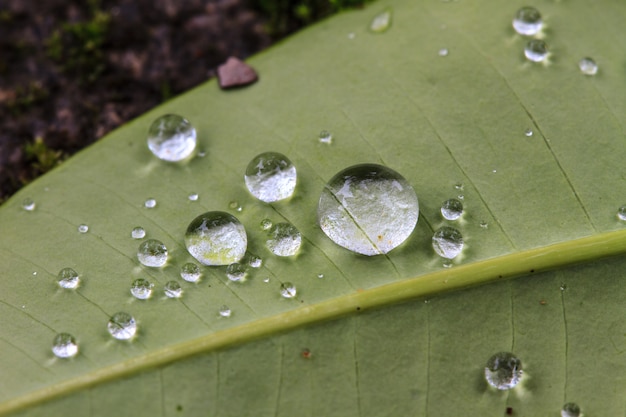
pixel 448 242
pixel 527 21
pixel 443 52
pixel 563 287
pixel 494 171
pixel 503 370
pixel 28 204
pixel 570 410
pixel 201 154
pixel 320 276
pixel 255 261
pixel 141 289
pixel 171 138
pixel 193 197
pixel 216 238
pixel 368 209
pixel 484 225
pixel 451 209
pixel 447 264
pixel 233 205
pixel 190 272
pixel 351 35
pixel 381 21
pixel 288 290
pixel 271 177
pixel 68 279
pixel 528 132
pixel 588 66
pixel 225 311
pixel 173 289
pixel 266 279
pixel 266 224
pixel 138 233
pixel 325 137
pixel 83 228
pixel 459 186
pixel 122 326
pixel 284 239
pixel 64 346
pixel 35 273
pixel 460 197
pixel 150 203
pixel 621 213
pixel 536 50
pixel 236 272
pixel 152 253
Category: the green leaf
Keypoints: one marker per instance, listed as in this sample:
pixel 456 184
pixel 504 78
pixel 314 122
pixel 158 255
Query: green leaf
pixel 549 201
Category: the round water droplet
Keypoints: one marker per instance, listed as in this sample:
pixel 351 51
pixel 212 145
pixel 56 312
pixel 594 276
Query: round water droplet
pixel 236 272
pixel 563 287
pixel 190 272
pixel 588 66
pixel 288 290
pixel 68 279
pixel 459 186
pixel 448 242
pixel 255 261
pixel 527 21
pixel 570 410
pixel 152 253
pixel 216 238
pixel 150 203
pixel 138 233
pixel 122 326
pixel 83 228
pixel 234 206
pixel 64 346
pixel 484 225
pixel 325 137
pixel 621 213
pixel 528 132
pixel 28 204
pixel 443 52
pixel 320 276
pixel 503 370
pixel 225 311
pixel 284 239
pixel 266 224
pixel 266 279
pixel 381 21
pixel 536 50
pixel 271 177
pixel 368 209
pixel 451 209
pixel 193 197
pixel 173 289
pixel 141 289
pixel 171 138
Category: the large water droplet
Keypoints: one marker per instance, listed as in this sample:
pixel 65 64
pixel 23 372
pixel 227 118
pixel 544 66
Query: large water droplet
pixel 171 138
pixel 369 209
pixel 141 289
pixel 503 370
pixel 138 233
pixel 83 228
pixel 64 346
pixel 325 137
pixel 68 278
pixel 588 66
pixel 216 238
pixel 190 272
pixel 270 177
pixel 150 203
pixel 288 290
pixel 570 410
pixel 381 21
pixel 173 289
pixel 284 239
pixel 236 272
pixel 152 253
pixel 451 209
pixel 225 311
pixel 621 213
pixel 28 204
pixel 122 326
pixel 448 242
pixel 536 50
pixel 527 21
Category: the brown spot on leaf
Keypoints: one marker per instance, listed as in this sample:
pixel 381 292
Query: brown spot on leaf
pixel 235 73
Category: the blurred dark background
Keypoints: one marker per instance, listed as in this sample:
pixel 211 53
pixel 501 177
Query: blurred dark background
pixel 71 71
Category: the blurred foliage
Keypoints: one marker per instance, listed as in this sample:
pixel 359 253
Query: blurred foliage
pixel 42 158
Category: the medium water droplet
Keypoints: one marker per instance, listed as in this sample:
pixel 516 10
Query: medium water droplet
pixel 152 253
pixel 536 50
pixel 141 289
pixel 173 289
pixel 381 21
pixel 284 239
pixel 528 132
pixel 288 290
pixel 225 311
pixel 64 346
pixel 325 137
pixel 503 370
pixel 448 242
pixel 193 197
pixel 150 203
pixel 255 261
pixel 138 233
pixel 621 213
pixel 83 228
pixel 190 272
pixel 28 204
pixel 236 272
pixel 443 52
pixel 171 138
pixel 368 209
pixel 527 21
pixel 266 224
pixel 216 238
pixel 570 410
pixel 122 326
pixel 68 279
pixel 271 177
pixel 588 66
pixel 451 209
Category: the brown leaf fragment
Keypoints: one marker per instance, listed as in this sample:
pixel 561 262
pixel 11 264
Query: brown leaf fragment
pixel 235 73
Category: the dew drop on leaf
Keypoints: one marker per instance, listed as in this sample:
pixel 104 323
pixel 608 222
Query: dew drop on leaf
pixel 193 197
pixel 216 238
pixel 284 239
pixel 152 253
pixel 536 50
pixel 28 204
pixel 150 203
pixel 138 233
pixel 381 21
pixel 190 272
pixel 325 137
pixel 271 177
pixel 171 138
pixel 225 311
pixel 451 209
pixel 255 261
pixel 503 370
pixel 447 242
pixel 141 289
pixel 570 410
pixel 237 272
pixel 64 346
pixel 320 276
pixel 68 279
pixel 527 21
pixel 122 326
pixel 621 213
pixel 528 132
pixel 83 228
pixel 266 224
pixel 444 52
pixel 288 290
pixel 173 289
pixel 588 66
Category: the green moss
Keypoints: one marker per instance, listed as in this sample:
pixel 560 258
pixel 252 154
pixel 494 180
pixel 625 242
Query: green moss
pixel 42 158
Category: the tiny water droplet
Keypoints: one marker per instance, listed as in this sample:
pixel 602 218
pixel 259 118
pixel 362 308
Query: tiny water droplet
pixel 28 204
pixel 68 279
pixel 451 209
pixel 171 138
pixel 460 197
pixel 35 273
pixel 494 171
pixel 443 52
pixel 381 21
pixel 527 21
pixel 447 242
pixel 271 177
pixel 233 205
pixel 325 137
pixel 459 186
pixel 193 197
pixel 621 213
pixel 503 370
pixel 138 233
pixel 528 132
pixel 266 279
pixel 320 276
pixel 236 272
pixel 152 253
pixel 266 224
pixel 64 346
pixel 570 410
pixel 447 264
pixel 536 50
pixel 150 203
pixel 201 154
pixel 288 290
pixel 284 239
pixel 122 326
pixel 173 289
pixel 563 287
pixel 141 289
pixel 216 238
pixel 351 35
pixel 588 66
pixel 190 272
pixel 255 261
pixel 484 225
pixel 369 209
pixel 225 311
pixel 83 228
